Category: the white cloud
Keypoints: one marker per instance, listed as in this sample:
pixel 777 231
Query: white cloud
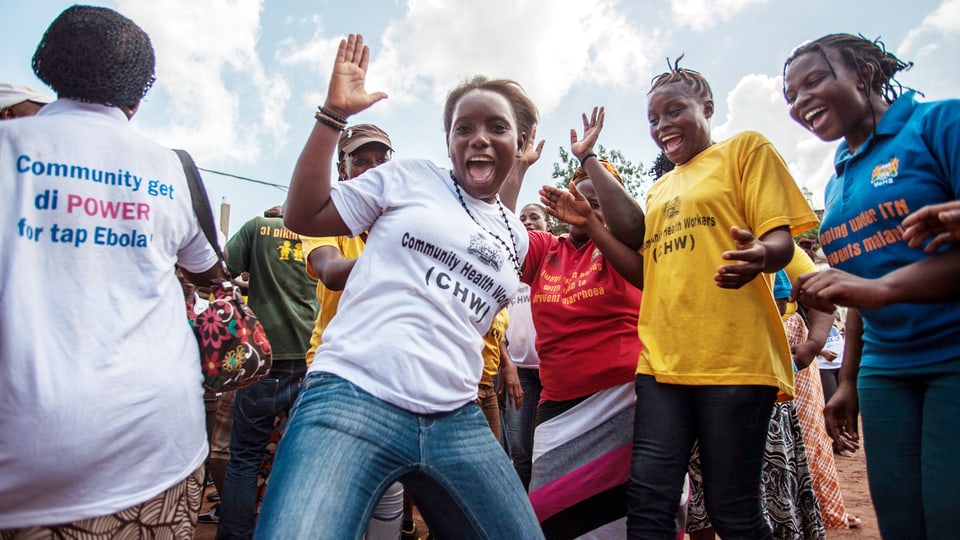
pixel 934 47
pixel 703 14
pixel 208 67
pixel 438 44
pixel 943 21
pixel 756 103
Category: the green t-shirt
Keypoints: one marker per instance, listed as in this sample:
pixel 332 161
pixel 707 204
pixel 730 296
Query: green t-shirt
pixel 280 293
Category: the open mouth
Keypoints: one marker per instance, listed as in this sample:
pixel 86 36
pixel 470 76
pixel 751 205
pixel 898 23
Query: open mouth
pixel 480 168
pixel 812 117
pixel 670 143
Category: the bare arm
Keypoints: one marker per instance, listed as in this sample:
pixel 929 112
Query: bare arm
pixel 842 410
pixel 308 208
pixel 908 284
pixel 329 265
pixel 509 380
pixel 572 207
pixel 820 323
pixel 624 217
pixel 510 189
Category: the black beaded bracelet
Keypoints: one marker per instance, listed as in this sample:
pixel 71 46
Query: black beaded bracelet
pixel 586 157
pixel 332 116
pixel 329 122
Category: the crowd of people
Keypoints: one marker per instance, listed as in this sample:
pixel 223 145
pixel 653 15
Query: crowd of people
pixel 679 367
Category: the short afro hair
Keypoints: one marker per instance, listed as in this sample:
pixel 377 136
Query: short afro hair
pixel 96 55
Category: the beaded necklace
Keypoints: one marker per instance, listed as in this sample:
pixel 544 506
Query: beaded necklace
pixel 514 257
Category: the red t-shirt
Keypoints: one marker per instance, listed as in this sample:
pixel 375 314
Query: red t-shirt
pixel 585 314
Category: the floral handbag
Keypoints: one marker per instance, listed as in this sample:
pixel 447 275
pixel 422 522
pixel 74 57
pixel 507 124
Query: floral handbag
pixel 234 350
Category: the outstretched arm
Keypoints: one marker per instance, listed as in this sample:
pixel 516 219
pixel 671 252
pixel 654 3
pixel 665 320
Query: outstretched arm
pixel 908 284
pixel 308 208
pixel 623 214
pixel 572 207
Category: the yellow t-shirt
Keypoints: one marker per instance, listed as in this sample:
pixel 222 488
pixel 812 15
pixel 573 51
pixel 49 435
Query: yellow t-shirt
pixel 350 248
pixel 694 332
pixel 491 346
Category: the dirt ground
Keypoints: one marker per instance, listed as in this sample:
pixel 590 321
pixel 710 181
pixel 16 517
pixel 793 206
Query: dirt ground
pixel 856 497
pixel 853 484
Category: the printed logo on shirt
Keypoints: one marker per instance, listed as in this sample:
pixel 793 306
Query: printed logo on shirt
pixel 673 208
pixel 485 251
pixel 884 173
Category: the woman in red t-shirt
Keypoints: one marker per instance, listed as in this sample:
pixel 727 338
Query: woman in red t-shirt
pixel 585 314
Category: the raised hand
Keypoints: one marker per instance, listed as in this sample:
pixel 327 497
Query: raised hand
pixel 530 153
pixel 592 127
pixel 567 206
pixel 346 95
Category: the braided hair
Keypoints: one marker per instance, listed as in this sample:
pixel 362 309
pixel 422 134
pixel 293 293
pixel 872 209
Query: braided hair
pixel 676 74
pixel 858 52
pixel 96 55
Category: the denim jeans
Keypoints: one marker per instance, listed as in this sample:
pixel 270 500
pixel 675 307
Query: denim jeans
pixel 254 410
pixel 520 424
pixel 731 423
pixel 343 447
pixel 912 442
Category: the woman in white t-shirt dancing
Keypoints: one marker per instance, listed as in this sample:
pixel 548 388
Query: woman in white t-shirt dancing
pixel 390 394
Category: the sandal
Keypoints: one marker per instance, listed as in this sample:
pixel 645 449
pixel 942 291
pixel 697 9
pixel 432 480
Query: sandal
pixel 854 522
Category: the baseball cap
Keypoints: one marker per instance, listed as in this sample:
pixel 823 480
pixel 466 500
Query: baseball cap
pixel 11 94
pixel 356 136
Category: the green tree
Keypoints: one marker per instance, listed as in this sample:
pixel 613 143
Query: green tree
pixel 635 177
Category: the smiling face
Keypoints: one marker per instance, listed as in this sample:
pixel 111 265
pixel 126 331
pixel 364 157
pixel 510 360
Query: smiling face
pixel 534 218
pixel 483 142
pixel 827 98
pixel 679 121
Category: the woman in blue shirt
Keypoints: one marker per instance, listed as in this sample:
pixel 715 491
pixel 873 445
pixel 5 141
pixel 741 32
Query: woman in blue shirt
pixel 902 358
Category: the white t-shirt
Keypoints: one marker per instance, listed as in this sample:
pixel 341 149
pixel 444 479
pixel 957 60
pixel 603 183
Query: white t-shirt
pixel 101 404
pixel 521 334
pixel 410 325
pixel 834 344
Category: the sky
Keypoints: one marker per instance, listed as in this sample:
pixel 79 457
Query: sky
pixel 238 81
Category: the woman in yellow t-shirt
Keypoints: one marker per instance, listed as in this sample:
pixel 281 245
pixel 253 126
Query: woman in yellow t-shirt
pixel 714 351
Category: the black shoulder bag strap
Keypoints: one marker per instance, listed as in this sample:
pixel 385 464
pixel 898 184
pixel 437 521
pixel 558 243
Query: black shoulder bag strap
pixel 201 204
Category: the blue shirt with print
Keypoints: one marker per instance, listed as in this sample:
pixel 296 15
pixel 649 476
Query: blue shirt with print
pixel 912 160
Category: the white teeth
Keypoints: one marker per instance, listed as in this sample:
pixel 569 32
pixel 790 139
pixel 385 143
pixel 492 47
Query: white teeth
pixel 813 113
pixel 668 138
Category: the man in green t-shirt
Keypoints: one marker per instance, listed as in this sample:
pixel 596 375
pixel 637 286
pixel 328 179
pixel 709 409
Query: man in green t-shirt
pixel 282 296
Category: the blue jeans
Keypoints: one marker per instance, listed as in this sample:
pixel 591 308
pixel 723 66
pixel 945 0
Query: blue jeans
pixel 254 410
pixel 520 424
pixel 731 423
pixel 912 441
pixel 343 447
